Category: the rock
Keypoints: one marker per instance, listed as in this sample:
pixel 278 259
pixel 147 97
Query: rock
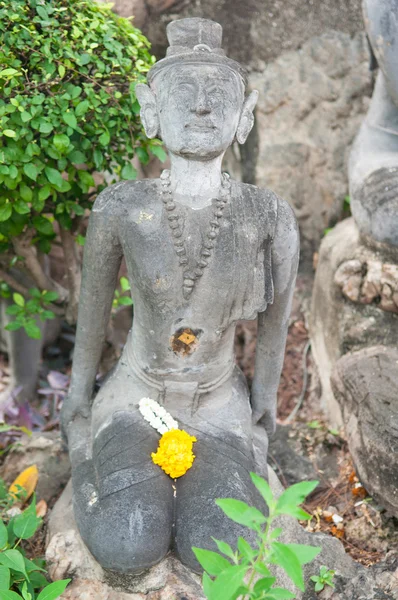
pixel 47 452
pixel 311 104
pixel 338 325
pixel 284 454
pixel 365 384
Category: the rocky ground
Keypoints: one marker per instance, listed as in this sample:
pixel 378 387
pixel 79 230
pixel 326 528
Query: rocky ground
pixel 304 447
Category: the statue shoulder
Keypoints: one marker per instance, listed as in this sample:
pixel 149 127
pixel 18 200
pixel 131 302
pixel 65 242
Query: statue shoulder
pixel 114 199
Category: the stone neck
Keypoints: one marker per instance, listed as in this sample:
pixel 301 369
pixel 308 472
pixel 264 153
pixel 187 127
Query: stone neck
pixel 194 183
pixel 383 113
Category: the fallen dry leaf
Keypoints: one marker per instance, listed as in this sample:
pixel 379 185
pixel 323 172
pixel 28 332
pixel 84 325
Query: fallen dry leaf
pixel 27 480
pixel 41 508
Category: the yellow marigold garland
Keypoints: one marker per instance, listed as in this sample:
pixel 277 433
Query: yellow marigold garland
pixel 174 454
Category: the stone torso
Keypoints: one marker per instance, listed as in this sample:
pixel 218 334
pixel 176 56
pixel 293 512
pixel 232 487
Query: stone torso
pixel 236 284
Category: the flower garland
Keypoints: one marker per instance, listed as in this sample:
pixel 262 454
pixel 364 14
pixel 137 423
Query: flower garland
pixel 174 454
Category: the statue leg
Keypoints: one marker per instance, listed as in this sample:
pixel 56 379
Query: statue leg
pixel 123 503
pixel 224 460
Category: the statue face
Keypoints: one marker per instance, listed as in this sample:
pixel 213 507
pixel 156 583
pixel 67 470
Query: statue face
pixel 199 108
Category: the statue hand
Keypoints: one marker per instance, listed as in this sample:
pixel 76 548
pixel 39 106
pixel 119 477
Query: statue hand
pixel 265 417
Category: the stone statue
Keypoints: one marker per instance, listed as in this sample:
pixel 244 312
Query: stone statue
pixel 373 168
pixel 202 252
pixel 354 315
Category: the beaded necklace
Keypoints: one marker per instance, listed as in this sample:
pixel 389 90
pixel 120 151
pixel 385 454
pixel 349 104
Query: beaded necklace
pixel 192 275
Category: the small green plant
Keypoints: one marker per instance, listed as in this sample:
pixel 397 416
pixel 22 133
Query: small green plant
pixel 120 298
pixel 325 577
pixel 21 578
pixel 26 312
pixel 245 573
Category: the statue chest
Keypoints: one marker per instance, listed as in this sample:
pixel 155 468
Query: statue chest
pixel 235 278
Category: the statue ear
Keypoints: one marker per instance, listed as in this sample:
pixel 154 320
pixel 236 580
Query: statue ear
pixel 149 111
pixel 246 120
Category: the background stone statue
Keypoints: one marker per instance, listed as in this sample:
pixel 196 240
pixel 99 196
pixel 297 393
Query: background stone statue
pixel 202 251
pixel 355 299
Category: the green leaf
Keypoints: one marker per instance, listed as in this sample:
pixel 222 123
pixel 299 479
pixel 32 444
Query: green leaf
pixel 82 108
pixel 13 326
pixel 104 139
pixel 225 548
pixel 228 582
pixel 45 127
pixel 264 488
pixel 293 496
pixel 50 296
pixel 25 116
pixel 125 284
pixel 264 584
pixel 54 590
pixel 70 119
pixel 18 299
pixel 279 594
pixel 129 172
pixel 54 176
pixel 212 563
pixel 21 207
pixel 305 554
pixel 4 578
pixel 61 70
pixel 159 152
pixel 43 225
pixel 86 178
pixel 285 558
pixel 241 513
pixel 26 192
pixel 77 158
pixel 13 559
pixel 261 569
pixel 125 301
pixel 80 239
pixel 98 158
pixel 30 171
pixel 207 584
pixel 44 192
pixel 5 211
pixel 26 524
pixel 9 133
pixel 32 330
pixel 245 549
pixel 8 595
pixel 3 534
pixel 61 142
pixel 319 586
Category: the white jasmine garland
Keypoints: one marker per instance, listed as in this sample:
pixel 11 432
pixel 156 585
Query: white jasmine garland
pixel 156 415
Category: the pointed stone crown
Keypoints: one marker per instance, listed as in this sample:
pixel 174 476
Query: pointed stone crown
pixel 195 41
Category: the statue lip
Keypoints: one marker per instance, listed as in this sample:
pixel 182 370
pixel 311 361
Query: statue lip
pixel 200 126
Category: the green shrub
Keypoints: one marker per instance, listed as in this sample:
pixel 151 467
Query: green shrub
pixel 20 577
pixel 245 572
pixel 67 110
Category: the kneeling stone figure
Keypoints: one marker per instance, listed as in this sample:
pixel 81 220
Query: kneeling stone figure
pixel 202 252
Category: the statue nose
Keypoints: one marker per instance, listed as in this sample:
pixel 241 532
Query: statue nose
pixel 202 106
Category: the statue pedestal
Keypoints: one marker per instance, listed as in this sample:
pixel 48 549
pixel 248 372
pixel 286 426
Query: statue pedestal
pixel 354 331
pixel 67 556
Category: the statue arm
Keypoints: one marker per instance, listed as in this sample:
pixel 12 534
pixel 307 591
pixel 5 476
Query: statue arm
pixel 273 323
pixel 101 263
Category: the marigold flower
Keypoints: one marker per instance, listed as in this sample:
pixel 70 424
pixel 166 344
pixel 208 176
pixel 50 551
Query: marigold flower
pixel 174 454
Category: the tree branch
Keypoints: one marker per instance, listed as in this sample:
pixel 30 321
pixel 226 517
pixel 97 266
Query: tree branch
pixel 13 283
pixel 73 273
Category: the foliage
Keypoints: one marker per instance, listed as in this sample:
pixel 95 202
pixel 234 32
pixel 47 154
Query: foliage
pixel 21 578
pixel 27 312
pixel 120 298
pixel 67 110
pixel 325 577
pixel 245 572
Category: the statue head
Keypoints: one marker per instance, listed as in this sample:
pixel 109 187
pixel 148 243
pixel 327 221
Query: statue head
pixel 195 97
